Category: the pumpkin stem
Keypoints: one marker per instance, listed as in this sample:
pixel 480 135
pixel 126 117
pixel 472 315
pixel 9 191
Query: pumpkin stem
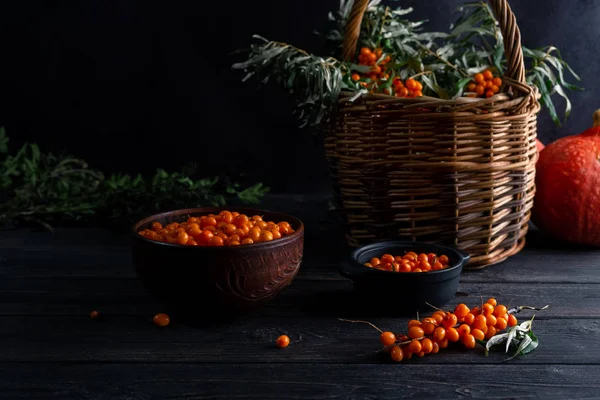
pixel 597 118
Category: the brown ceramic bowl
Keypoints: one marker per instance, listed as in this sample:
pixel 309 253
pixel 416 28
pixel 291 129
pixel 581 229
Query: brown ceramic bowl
pixel 218 281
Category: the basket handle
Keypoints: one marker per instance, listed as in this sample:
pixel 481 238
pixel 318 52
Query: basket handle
pixel 504 14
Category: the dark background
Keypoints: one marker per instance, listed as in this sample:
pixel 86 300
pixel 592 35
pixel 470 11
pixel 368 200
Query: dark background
pixel 136 85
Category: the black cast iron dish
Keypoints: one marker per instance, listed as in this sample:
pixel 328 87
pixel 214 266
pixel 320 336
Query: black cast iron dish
pixel 404 291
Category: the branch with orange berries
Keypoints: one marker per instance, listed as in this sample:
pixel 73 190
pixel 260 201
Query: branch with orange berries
pixel 490 325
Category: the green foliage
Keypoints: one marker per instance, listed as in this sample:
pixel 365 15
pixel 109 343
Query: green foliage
pixel 315 82
pixel 445 61
pixel 44 189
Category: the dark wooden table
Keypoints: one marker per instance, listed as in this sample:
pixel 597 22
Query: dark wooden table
pixel 50 348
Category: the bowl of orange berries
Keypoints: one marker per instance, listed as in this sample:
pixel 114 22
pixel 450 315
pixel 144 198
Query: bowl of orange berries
pixel 415 275
pixel 211 260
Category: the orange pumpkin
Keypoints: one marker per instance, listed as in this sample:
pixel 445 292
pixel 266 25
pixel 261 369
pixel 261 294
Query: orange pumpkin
pixel 567 200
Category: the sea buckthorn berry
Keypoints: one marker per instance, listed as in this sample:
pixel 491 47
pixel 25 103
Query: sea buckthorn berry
pixel 355 77
pixel 443 343
pixel 501 324
pixel 492 301
pixel 282 341
pixel 226 217
pixel 443 259
pixel 426 346
pixel 255 232
pixel 487 75
pixel 405 266
pixel 397 354
pixel 411 84
pixel 480 322
pixel 247 241
pixel 428 327
pixel 489 94
pixel 469 319
pixel 439 333
pixel 490 332
pixel 478 334
pixel 497 81
pixel 182 238
pixel 452 335
pixel 375 261
pixel 449 320
pixel 479 78
pixel 261 224
pixel 487 309
pixel 416 332
pixel 95 314
pixel 407 352
pixel 491 320
pixel 475 311
pixel 495 89
pixel 489 84
pixel 436 348
pixel 468 341
pixel 438 316
pixel 438 266
pixel 266 236
pixel 387 338
pixel 500 311
pixel 161 319
pixel 480 90
pixel 365 51
pixel 210 221
pixel 415 346
pixel 512 320
pixel 414 322
pixel 417 270
pixel 387 258
pixel 156 226
pixel 216 241
pixel 471 87
pixel 461 310
pixel 464 329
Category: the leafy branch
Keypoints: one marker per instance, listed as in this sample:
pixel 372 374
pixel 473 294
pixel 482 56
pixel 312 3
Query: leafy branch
pixel 44 189
pixel 315 82
pixel 445 61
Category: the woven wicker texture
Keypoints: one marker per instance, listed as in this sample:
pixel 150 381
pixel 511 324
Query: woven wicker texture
pixel 458 172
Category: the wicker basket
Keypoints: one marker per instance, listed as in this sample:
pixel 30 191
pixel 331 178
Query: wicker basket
pixel 458 172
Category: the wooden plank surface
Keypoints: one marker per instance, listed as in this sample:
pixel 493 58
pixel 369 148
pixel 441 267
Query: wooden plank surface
pixel 251 341
pixel 299 381
pixel 333 298
pixel 49 348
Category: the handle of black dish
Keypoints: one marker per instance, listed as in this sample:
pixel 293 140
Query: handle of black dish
pixel 348 270
pixel 466 257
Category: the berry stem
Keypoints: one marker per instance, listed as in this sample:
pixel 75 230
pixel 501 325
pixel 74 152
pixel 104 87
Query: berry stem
pixel 518 309
pixel 436 308
pixel 360 322
pixel 420 74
